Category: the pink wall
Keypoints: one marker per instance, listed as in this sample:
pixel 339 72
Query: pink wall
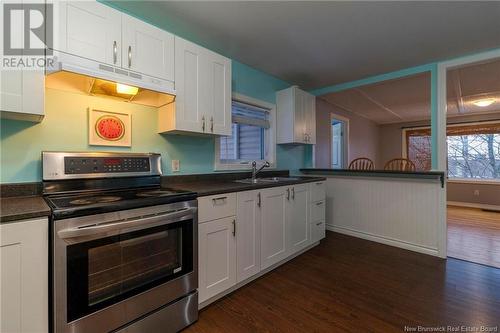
pixel 363 135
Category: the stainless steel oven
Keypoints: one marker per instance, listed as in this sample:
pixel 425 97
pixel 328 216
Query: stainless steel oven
pixel 114 268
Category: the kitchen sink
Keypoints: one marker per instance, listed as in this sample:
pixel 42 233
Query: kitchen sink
pixel 266 180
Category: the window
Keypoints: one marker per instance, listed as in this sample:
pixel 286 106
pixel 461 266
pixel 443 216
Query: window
pixel 252 137
pixel 473 150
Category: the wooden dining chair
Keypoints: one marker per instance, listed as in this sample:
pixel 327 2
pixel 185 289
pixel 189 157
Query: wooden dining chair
pixel 361 163
pixel 400 164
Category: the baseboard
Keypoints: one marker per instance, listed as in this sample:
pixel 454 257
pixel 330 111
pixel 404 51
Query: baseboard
pixel 383 240
pixel 473 205
pixel 256 276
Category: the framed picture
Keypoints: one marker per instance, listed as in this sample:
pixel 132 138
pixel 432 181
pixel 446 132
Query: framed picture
pixel 107 128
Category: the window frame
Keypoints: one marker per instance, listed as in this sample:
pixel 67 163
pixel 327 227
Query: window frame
pixel 451 179
pixel 269 137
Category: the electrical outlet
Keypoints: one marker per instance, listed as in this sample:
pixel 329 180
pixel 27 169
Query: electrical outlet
pixel 176 165
pixel 476 193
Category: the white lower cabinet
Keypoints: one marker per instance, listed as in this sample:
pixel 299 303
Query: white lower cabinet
pixel 24 276
pixel 298 218
pixel 274 234
pixel 270 225
pixel 248 224
pixel 216 257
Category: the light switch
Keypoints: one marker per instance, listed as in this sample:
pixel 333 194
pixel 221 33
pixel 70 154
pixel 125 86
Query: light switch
pixel 176 165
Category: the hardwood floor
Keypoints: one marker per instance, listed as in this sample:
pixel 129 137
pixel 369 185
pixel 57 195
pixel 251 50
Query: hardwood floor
pixel 474 235
pixel 348 284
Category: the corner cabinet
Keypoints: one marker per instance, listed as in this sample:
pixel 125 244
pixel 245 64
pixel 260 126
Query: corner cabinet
pixel 296 116
pixel 203 87
pixel 21 91
pixel 24 276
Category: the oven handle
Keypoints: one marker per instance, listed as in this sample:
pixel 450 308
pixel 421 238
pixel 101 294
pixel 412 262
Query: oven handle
pixel 150 221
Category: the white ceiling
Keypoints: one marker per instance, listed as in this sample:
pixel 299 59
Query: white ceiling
pixel 408 99
pixel 320 43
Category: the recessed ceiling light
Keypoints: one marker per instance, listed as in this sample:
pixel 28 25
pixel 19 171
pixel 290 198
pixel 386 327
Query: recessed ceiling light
pixel 484 102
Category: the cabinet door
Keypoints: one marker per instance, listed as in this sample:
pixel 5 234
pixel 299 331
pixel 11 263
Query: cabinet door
pixel 299 126
pixel 147 49
pixel 188 103
pixel 24 276
pixel 90 30
pixel 318 231
pixel 23 92
pixel 248 223
pixel 273 226
pixel 310 118
pixel 217 86
pixel 298 218
pixel 217 257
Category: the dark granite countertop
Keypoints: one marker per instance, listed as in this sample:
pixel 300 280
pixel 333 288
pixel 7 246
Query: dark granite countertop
pixel 21 208
pixel 217 186
pixel 434 175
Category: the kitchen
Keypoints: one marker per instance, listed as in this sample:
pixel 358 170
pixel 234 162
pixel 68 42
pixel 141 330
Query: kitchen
pixel 108 186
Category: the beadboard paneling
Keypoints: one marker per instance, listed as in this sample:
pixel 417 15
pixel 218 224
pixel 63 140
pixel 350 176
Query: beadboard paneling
pixel 402 213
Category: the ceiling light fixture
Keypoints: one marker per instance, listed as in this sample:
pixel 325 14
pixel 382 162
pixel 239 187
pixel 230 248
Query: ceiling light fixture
pixel 484 102
pixel 127 90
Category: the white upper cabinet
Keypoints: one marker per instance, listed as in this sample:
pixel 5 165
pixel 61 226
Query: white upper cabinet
pixel 90 30
pixel 203 87
pixel 218 88
pixel 296 116
pixel 21 91
pixel 147 49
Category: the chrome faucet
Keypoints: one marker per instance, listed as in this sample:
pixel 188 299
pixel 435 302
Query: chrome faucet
pixel 255 171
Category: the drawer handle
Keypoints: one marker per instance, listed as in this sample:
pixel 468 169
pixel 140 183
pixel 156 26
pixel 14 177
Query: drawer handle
pixel 215 200
pixel 319 223
pixel 319 203
pixel 319 183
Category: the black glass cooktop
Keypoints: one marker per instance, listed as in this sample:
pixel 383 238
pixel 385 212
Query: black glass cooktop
pixel 87 203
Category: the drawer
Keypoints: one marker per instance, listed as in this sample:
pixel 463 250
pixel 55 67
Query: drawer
pixel 318 191
pixel 318 231
pixel 216 206
pixel 317 211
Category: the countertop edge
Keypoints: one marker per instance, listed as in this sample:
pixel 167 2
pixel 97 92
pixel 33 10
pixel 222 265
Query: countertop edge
pixel 244 187
pixel 16 209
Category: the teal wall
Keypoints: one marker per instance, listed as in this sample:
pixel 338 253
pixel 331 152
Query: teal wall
pixel 65 128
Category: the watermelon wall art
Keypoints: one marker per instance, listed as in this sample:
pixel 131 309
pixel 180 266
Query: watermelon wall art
pixel 108 128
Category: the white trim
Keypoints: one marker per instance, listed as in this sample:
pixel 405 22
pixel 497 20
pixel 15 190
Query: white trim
pixel 269 137
pixel 443 67
pixel 345 143
pixel 473 205
pixel 383 240
pixel 474 181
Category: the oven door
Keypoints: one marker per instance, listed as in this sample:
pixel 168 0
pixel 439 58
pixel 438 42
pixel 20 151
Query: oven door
pixel 117 270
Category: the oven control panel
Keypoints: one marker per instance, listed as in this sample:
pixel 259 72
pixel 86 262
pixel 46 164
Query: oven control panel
pixel 91 165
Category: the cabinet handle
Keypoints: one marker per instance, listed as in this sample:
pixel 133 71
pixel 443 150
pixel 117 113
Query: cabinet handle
pixel 203 123
pixel 288 194
pixel 319 203
pixel 259 200
pixel 319 183
pixel 212 124
pixel 114 52
pixel 319 223
pixel 234 228
pixel 129 56
pixel 293 193
pixel 217 199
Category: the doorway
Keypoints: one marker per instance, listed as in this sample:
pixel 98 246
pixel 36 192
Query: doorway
pixel 339 129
